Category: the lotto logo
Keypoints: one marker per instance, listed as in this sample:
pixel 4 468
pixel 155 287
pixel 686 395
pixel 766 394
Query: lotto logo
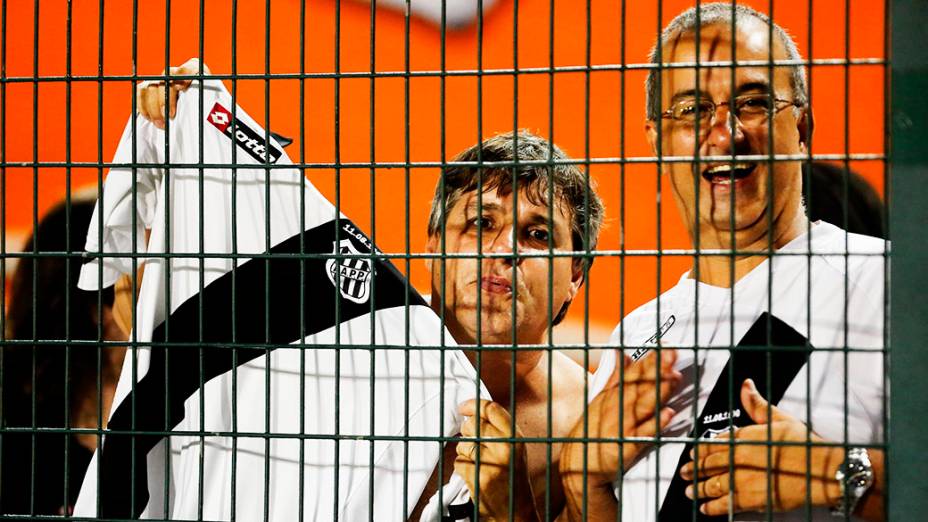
pixel 247 138
pixel 220 117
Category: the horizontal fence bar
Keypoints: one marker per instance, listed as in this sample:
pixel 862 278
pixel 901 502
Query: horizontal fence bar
pixel 422 438
pixel 449 255
pixel 418 347
pixel 864 156
pixel 343 75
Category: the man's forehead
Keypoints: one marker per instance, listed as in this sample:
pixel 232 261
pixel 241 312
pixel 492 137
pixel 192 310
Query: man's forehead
pixel 498 201
pixel 715 45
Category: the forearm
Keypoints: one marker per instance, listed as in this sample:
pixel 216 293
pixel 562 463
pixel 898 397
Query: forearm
pixel 587 487
pixel 601 503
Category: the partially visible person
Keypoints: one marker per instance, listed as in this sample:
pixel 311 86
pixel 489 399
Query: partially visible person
pixel 759 335
pixel 55 385
pixel 826 199
pixel 523 220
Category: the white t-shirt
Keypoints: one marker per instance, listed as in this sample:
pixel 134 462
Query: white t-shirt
pixel 842 305
pixel 314 423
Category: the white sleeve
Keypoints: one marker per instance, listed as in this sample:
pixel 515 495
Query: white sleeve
pixel 116 208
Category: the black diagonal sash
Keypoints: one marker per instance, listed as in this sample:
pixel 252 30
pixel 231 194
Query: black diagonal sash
pixel 749 359
pixel 267 310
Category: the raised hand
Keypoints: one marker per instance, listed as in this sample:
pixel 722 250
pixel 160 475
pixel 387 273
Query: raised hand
pixel 150 95
pixel 640 416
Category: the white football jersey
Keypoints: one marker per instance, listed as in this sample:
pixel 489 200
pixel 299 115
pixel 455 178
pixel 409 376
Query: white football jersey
pixel 823 294
pixel 336 361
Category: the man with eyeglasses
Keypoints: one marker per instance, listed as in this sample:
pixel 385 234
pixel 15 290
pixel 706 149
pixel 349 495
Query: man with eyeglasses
pixel 776 334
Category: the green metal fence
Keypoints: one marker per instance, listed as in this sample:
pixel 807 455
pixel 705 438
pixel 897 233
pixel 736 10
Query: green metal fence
pixel 50 442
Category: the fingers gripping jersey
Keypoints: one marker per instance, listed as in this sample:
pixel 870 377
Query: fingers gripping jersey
pixel 265 386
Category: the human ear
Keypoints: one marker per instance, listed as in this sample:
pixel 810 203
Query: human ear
pixel 650 132
pixel 576 279
pixel 805 124
pixel 431 247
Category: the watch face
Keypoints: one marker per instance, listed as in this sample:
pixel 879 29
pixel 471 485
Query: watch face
pixel 855 476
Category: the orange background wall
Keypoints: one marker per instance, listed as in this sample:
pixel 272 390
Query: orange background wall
pixel 98 110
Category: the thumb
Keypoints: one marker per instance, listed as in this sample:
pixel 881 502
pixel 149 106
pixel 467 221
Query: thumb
pixel 756 406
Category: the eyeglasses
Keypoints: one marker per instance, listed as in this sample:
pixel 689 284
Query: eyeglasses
pixel 750 109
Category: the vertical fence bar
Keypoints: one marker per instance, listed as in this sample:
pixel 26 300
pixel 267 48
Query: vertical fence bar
pixel 337 301
pixel 134 170
pixel 549 427
pixel 372 177
pixel 35 243
pixel 168 273
pixel 3 207
pixel 442 267
pixel 620 484
pixel 267 262
pixel 233 314
pixel 406 265
pixel 694 514
pixel 302 138
pixel 807 193
pixel 100 201
pixel 908 214
pixel 479 328
pixel 514 170
pixel 201 262
pixel 845 438
pixel 768 340
pixel 657 282
pixel 67 265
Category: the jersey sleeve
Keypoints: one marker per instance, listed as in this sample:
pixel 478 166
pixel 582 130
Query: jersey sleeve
pixel 127 208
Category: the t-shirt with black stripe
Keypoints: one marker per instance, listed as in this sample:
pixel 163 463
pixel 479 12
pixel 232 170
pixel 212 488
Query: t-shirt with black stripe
pixel 790 318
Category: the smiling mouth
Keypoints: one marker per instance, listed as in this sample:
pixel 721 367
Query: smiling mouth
pixel 727 173
pixel 496 285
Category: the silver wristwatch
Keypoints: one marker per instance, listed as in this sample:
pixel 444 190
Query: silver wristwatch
pixel 855 476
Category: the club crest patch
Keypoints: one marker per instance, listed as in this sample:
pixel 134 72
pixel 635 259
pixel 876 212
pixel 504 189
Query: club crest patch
pixel 351 275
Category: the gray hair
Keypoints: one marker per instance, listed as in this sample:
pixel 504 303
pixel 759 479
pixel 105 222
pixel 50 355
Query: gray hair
pixel 715 14
pixel 571 188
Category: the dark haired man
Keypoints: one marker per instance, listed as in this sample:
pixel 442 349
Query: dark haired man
pixel 821 294
pixel 506 281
